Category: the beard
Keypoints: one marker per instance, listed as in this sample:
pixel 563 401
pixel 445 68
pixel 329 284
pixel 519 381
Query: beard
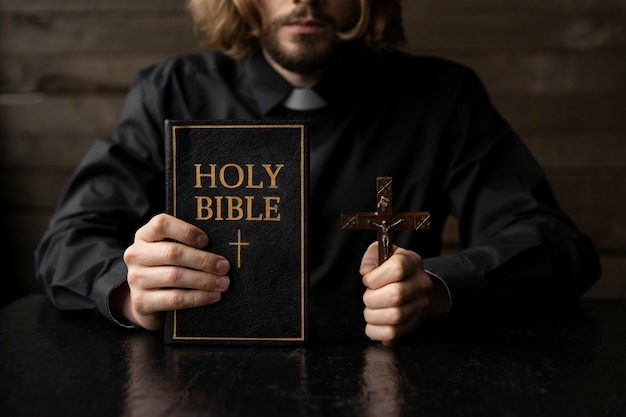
pixel 306 53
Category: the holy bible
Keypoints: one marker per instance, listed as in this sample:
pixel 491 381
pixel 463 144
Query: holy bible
pixel 245 183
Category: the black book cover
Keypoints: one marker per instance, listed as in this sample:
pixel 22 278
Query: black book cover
pixel 246 184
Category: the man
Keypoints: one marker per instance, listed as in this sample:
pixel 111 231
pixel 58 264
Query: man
pixel 374 111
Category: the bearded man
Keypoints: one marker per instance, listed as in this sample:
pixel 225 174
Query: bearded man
pixel 374 110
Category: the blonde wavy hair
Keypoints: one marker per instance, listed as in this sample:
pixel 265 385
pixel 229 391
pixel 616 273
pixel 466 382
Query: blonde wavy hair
pixel 235 25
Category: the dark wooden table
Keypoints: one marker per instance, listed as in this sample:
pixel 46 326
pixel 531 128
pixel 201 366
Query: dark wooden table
pixel 567 362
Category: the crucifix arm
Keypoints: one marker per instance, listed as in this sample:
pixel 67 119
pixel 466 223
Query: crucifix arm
pixel 385 219
pixel 384 226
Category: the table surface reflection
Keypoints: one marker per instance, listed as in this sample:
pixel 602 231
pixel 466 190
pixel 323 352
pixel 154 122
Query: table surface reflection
pixel 568 362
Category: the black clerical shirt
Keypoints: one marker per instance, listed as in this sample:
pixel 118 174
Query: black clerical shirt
pixel 426 122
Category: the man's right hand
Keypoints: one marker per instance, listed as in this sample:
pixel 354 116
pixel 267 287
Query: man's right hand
pixel 168 270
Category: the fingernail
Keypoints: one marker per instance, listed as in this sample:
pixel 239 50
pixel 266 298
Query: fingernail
pixel 368 266
pixel 214 296
pixel 202 241
pixel 223 282
pixel 222 266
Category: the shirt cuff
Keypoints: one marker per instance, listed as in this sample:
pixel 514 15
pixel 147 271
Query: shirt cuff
pixel 433 275
pixel 465 284
pixel 102 292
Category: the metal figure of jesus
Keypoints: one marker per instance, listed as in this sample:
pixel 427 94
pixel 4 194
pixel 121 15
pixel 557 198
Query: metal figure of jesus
pixel 384 220
pixel 386 236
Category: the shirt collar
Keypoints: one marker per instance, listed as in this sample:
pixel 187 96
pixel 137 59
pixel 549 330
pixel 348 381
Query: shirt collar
pixel 268 87
pixel 346 83
pixel 342 85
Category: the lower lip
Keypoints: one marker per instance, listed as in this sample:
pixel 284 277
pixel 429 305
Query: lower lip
pixel 306 29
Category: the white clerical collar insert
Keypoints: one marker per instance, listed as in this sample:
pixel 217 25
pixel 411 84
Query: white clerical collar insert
pixel 304 99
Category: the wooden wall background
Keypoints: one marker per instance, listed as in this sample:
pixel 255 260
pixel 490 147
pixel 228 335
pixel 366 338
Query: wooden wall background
pixel 555 68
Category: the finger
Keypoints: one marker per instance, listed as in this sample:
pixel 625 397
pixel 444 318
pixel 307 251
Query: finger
pixel 400 265
pixel 176 254
pixel 153 278
pixel 388 333
pixel 391 295
pixel 150 302
pixel 396 315
pixel 387 325
pixel 164 226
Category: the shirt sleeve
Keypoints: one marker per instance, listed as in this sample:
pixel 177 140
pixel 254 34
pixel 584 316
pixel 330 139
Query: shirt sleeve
pixel 515 240
pixel 111 194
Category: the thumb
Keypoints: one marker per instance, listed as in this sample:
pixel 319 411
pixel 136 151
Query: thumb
pixel 369 262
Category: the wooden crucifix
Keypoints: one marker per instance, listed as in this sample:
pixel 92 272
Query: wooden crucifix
pixel 384 220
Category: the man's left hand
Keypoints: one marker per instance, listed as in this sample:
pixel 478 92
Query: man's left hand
pixel 399 294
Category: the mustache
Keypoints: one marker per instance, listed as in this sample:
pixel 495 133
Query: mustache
pixel 303 11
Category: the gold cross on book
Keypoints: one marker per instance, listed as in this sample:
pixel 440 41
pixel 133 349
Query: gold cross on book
pixel 384 220
pixel 239 244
